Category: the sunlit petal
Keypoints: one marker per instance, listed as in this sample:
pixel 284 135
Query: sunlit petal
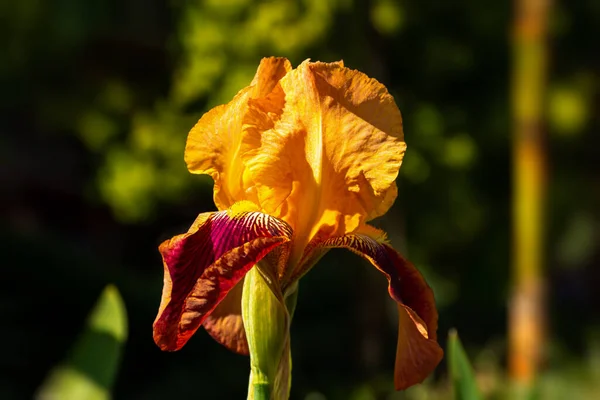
pixel 213 144
pixel 204 264
pixel 418 352
pixel 324 149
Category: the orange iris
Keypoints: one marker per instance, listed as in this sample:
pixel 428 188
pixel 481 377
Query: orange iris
pixel 302 159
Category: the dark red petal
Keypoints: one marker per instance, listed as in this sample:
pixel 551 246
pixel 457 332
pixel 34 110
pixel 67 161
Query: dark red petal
pixel 418 352
pixel 203 265
pixel 225 323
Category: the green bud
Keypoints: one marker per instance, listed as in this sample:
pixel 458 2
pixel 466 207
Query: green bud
pixel 266 321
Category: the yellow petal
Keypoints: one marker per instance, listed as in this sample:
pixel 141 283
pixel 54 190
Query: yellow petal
pixel 269 72
pixel 213 144
pixel 324 150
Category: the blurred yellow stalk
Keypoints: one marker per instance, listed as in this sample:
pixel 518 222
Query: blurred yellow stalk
pixel 526 314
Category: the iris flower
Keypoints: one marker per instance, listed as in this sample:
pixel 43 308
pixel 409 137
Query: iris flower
pixel 301 159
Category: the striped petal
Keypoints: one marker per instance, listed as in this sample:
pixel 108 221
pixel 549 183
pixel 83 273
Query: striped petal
pixel 204 264
pixel 418 352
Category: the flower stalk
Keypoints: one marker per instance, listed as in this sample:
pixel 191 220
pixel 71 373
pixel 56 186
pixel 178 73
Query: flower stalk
pixel 266 320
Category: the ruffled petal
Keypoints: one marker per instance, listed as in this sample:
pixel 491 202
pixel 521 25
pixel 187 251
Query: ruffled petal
pixel 323 149
pixel 213 144
pixel 362 139
pixel 418 352
pixel 204 264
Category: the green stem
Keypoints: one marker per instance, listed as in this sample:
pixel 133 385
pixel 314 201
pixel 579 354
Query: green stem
pixel 266 321
pixel 261 391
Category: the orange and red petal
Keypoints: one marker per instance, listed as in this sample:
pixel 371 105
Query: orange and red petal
pixel 418 352
pixel 204 264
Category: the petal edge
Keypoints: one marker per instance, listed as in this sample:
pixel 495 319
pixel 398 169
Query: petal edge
pixel 418 352
pixel 203 265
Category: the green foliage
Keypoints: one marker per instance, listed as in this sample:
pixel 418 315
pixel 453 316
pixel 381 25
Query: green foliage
pixel 90 369
pixel 219 46
pixel 569 104
pixel 387 16
pixel 461 371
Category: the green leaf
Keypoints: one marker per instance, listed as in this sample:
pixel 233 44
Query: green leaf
pixel 90 369
pixel 461 372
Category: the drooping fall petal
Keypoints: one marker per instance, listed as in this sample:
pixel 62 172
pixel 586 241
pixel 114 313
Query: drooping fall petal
pixel 225 323
pixel 418 352
pixel 213 143
pixel 204 264
pixel 324 148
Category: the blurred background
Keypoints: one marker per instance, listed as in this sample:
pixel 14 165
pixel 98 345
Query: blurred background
pixel 98 97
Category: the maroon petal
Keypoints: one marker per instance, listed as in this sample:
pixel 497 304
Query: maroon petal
pixel 418 352
pixel 204 264
pixel 225 323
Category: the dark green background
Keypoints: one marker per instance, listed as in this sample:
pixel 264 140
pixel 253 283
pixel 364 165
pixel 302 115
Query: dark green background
pixel 97 99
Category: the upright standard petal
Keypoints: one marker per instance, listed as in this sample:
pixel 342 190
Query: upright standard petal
pixel 324 149
pixel 418 352
pixel 204 264
pixel 213 143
